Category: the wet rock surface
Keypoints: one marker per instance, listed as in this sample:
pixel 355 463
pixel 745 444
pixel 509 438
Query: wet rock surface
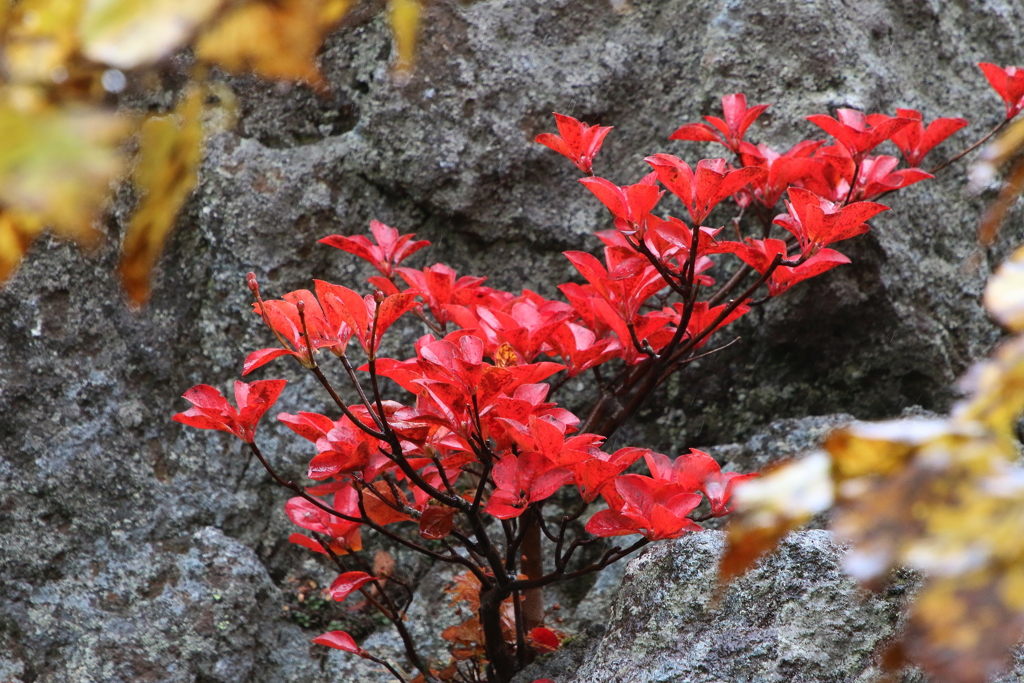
pixel 118 527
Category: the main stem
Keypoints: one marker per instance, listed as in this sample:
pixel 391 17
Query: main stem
pixel 501 664
pixel 533 567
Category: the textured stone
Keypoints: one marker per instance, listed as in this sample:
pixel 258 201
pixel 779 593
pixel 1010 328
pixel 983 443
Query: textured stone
pixel 101 495
pixel 796 617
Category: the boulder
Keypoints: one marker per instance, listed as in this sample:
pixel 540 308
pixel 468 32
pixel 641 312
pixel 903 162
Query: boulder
pixel 104 501
pixel 794 618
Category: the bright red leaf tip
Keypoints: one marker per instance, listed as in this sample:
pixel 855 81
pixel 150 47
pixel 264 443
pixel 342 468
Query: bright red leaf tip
pixel 340 640
pixel 817 222
pixel 759 254
pixel 915 141
pixel 390 248
pixel 347 583
pixel 522 480
pixel 1008 82
pixel 212 411
pixel 728 132
pixel 857 133
pixel 630 204
pixel 357 312
pixel 326 329
pixel 702 190
pixel 655 509
pixel 877 176
pixel 579 142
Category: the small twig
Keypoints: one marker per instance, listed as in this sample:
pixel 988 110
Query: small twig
pixel 730 285
pixel 318 373
pixel 359 389
pixel 611 556
pixel 970 149
pixel 703 355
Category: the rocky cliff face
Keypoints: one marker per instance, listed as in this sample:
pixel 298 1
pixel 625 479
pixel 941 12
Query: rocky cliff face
pixel 134 550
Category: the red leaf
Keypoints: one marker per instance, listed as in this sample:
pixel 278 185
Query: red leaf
pixel 436 522
pixel 544 640
pixel 306 515
pixel 310 426
pixel 1008 83
pixel 194 418
pixel 327 489
pixel 327 464
pixel 357 245
pixel 306 542
pixel 393 308
pixel 697 132
pixel 348 582
pixel 205 397
pixel 380 511
pixel 340 640
pixel 341 304
pixel 579 142
pixel 609 194
pixel 254 400
pixel 553 142
pixel 546 484
pixel 610 523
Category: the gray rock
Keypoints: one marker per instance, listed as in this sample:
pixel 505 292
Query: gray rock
pixel 101 495
pixel 155 612
pixel 796 617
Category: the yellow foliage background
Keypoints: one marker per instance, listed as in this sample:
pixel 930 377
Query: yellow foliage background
pixel 62 150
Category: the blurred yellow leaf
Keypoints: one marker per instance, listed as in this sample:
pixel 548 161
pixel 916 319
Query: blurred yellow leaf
pixel 129 33
pixel 1004 294
pixel 769 507
pixel 997 154
pixel 58 164
pixel 867 448
pixel 333 11
pixel 996 388
pixel 278 40
pixel 42 35
pixel 169 157
pixel 16 235
pixel 963 628
pixel 404 17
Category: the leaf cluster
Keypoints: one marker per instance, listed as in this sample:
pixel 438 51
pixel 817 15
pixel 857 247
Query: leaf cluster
pixel 463 466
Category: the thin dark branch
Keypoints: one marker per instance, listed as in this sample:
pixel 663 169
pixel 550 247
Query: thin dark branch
pixel 957 157
pixel 611 556
pixel 298 490
pixel 318 373
pixel 359 389
pixel 392 615
pixel 731 284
